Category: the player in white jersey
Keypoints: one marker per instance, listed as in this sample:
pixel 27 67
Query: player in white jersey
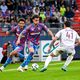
pixel 68 38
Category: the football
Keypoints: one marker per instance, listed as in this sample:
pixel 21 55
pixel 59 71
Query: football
pixel 35 66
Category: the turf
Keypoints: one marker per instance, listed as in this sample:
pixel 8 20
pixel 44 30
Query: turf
pixel 53 72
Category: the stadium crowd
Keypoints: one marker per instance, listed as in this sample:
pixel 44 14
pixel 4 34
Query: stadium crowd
pixel 50 11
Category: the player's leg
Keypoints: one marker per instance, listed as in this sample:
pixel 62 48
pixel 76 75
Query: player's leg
pixel 29 58
pixel 18 50
pixel 26 61
pixel 48 60
pixel 9 60
pixel 55 53
pixel 69 59
pixel 35 51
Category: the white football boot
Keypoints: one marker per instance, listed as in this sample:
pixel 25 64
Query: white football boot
pixel 1 68
pixel 20 68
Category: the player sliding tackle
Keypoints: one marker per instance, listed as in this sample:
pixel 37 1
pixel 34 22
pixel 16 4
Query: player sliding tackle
pixel 68 37
pixel 33 32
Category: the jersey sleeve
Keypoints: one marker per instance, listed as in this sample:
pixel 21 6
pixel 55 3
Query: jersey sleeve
pixel 13 30
pixel 58 34
pixel 45 28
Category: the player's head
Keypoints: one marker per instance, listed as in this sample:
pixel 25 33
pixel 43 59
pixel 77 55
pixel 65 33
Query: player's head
pixel 21 22
pixel 67 24
pixel 35 19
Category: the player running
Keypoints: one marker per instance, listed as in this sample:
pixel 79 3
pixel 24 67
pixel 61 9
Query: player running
pixel 67 37
pixel 16 48
pixel 33 32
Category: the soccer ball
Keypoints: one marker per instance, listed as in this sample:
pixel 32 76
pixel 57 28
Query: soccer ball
pixel 35 66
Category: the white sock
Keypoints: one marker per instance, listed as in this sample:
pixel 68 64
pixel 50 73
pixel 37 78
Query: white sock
pixel 48 60
pixel 68 60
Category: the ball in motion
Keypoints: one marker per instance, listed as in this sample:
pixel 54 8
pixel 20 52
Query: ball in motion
pixel 35 66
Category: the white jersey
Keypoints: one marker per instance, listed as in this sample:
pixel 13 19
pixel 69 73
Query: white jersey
pixel 67 37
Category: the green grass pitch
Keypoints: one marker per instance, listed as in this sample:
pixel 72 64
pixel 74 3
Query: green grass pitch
pixel 53 72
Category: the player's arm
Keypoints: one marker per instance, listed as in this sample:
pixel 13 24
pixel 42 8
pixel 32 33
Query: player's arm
pixel 23 33
pixel 20 36
pixel 77 41
pixel 11 31
pixel 52 42
pixel 57 36
pixel 48 31
pixel 77 44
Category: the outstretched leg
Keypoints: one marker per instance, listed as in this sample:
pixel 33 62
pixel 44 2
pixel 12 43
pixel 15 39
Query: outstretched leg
pixel 8 61
pixel 14 52
pixel 68 61
pixel 48 60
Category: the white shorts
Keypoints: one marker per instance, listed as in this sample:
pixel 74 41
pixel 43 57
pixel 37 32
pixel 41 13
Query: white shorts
pixel 63 49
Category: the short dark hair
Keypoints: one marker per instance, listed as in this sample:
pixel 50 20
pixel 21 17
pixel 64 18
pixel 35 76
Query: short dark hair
pixel 21 19
pixel 35 16
pixel 67 24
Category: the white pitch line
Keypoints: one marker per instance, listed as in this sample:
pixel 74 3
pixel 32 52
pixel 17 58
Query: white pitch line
pixel 9 70
pixel 41 65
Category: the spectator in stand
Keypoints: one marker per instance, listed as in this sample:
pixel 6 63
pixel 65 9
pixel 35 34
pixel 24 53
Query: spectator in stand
pixel 36 10
pixel 62 19
pixel 42 15
pixel 63 2
pixel 74 4
pixel 41 4
pixel 28 9
pixel 62 10
pixel 5 24
pixel 47 3
pixel 4 8
pixel 69 14
pixel 13 23
pixel 52 9
pixel 48 13
pixel 35 2
pixel 57 14
pixel 1 18
pixel 53 22
pixel 10 5
pixel 57 4
pixel 21 9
